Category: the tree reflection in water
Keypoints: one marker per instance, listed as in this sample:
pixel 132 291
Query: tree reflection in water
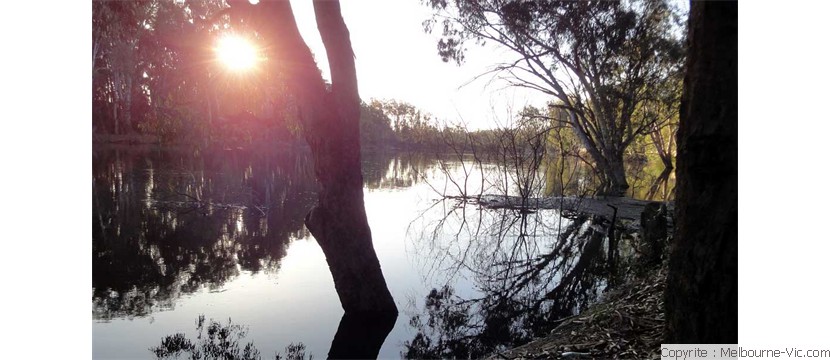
pixel 167 224
pixel 218 342
pixel 170 223
pixel 359 336
pixel 530 270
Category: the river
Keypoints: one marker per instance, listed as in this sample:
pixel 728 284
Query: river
pixel 179 234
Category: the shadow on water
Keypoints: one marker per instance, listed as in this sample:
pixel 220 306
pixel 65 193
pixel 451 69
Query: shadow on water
pixel 530 270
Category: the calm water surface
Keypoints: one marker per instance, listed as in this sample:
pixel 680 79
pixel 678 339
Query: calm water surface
pixel 178 234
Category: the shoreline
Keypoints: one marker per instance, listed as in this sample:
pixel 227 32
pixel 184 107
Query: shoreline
pixel 628 323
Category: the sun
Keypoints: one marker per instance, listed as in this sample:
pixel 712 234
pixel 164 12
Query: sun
pixel 237 53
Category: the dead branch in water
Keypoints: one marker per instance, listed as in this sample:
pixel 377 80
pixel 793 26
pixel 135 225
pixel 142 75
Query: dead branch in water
pixel 627 208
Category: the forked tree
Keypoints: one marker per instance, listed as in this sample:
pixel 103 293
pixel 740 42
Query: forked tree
pixel 329 116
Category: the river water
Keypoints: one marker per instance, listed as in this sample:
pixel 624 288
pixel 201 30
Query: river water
pixel 179 234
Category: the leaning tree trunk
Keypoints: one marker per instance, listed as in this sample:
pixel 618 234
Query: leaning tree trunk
pixel 338 222
pixel 330 120
pixel 702 289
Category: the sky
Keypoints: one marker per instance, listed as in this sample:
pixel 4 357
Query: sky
pixel 395 59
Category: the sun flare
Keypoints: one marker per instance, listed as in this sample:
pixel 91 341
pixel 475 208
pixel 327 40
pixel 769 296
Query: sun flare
pixel 237 53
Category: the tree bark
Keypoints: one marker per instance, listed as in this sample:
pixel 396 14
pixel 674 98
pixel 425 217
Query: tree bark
pixel 617 184
pixel 610 164
pixel 330 120
pixel 339 222
pixel 702 287
pixel 653 234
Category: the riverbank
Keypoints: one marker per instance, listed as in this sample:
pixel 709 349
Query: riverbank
pixel 627 324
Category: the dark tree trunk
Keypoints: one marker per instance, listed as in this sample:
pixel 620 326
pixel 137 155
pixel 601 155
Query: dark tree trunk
pixel 610 166
pixel 360 336
pixel 617 183
pixel 702 289
pixel 611 173
pixel 653 234
pixel 330 120
pixel 338 222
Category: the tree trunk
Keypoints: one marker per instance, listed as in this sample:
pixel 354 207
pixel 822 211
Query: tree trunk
pixel 653 234
pixel 617 183
pixel 702 287
pixel 609 163
pixel 330 120
pixel 361 336
pixel 338 222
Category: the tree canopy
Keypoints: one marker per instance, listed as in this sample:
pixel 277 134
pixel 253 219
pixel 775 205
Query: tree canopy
pixel 609 64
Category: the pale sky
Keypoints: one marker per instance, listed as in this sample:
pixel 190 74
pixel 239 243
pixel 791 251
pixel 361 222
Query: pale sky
pixel 396 60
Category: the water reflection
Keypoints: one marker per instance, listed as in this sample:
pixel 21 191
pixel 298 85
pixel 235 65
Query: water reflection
pixel 528 269
pixel 218 342
pixel 359 336
pixel 167 224
pixel 648 180
pixel 385 170
pixel 170 227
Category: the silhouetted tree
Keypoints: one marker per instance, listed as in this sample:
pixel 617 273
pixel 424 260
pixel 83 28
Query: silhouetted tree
pixel 702 287
pixel 601 61
pixel 330 118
